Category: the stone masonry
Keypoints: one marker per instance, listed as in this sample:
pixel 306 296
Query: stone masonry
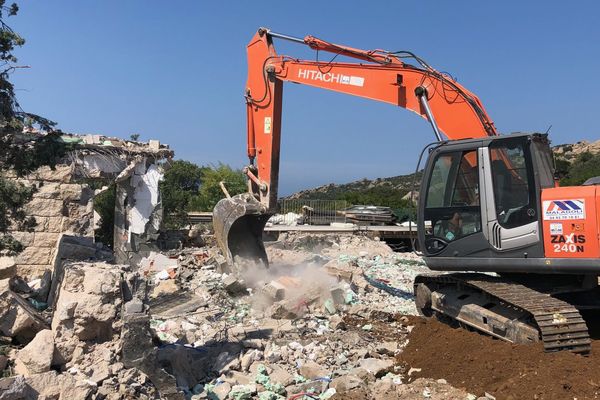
pixel 59 206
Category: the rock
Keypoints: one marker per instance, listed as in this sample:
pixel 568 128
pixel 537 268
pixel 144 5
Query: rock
pixel 359 309
pixel 273 354
pixel 316 387
pixel 253 344
pixel 45 239
pixel 8 267
pixel 226 362
pixel 3 363
pixel 273 290
pixel 387 348
pixel 36 357
pixel 249 358
pixel 89 299
pixel 101 370
pixel 135 305
pixel 51 385
pixel 237 378
pixel 17 318
pixel 338 295
pixel 242 392
pixel 340 271
pixel 376 366
pixel 363 374
pixel 336 322
pixel 280 375
pixel 221 391
pixel 312 370
pixel 285 310
pixel 163 288
pixel 346 383
pixel 234 286
pixel 15 388
pixel 47 383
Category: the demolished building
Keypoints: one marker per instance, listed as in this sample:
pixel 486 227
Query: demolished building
pixel 63 200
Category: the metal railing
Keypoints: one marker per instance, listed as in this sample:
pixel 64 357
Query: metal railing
pixel 310 212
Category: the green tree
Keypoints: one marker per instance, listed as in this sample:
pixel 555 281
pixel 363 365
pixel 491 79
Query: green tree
pixel 180 184
pixel 585 166
pixel 19 152
pixel 104 205
pixel 210 190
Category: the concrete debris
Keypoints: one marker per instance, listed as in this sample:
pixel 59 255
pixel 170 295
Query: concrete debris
pixel 18 319
pixel 36 357
pixel 181 325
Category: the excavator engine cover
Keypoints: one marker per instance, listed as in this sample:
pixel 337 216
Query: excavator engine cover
pixel 239 222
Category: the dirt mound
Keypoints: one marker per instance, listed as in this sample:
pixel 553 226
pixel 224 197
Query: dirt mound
pixel 481 364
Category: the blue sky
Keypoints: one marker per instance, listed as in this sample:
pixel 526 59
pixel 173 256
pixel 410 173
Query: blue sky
pixel 176 71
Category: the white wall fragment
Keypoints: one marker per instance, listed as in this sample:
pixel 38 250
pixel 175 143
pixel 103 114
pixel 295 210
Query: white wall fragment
pixel 146 198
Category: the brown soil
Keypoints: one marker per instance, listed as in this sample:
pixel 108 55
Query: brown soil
pixel 481 364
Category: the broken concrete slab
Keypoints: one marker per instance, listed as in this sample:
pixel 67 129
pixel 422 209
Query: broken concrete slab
pixel 280 375
pixel 347 383
pixel 139 352
pixel 312 370
pixel 16 388
pixel 36 357
pixel 134 306
pixel 234 286
pixel 274 291
pixel 89 299
pixel 176 304
pixel 221 391
pixel 64 386
pixel 376 366
pixel 162 288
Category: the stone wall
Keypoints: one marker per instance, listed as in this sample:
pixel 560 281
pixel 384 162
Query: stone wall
pixel 59 205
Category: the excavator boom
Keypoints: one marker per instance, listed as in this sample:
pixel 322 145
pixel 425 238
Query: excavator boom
pixel 453 111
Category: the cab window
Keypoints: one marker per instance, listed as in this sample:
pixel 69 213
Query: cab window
pixel 452 203
pixel 513 194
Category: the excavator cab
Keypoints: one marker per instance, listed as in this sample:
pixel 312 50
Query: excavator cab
pixel 482 201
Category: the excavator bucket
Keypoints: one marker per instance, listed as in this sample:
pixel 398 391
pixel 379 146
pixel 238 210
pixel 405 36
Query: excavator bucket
pixel 238 223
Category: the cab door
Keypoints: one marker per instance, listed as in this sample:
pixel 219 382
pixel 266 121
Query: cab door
pixel 509 198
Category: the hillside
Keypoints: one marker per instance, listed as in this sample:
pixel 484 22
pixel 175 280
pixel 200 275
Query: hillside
pixel 397 184
pixel 576 162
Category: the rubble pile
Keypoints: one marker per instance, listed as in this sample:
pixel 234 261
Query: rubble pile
pixel 328 319
pixel 314 325
pixel 75 348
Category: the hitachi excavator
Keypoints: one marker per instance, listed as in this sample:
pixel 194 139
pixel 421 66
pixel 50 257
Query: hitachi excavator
pixel 488 203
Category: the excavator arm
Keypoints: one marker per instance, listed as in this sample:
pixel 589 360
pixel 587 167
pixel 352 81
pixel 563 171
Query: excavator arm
pixel 452 110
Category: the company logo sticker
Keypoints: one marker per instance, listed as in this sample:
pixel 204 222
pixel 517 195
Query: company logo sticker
pixel 564 209
pixel 331 77
pixel 556 229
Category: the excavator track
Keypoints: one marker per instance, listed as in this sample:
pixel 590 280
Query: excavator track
pixel 559 323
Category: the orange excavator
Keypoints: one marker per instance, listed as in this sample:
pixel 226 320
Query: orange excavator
pixel 488 203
